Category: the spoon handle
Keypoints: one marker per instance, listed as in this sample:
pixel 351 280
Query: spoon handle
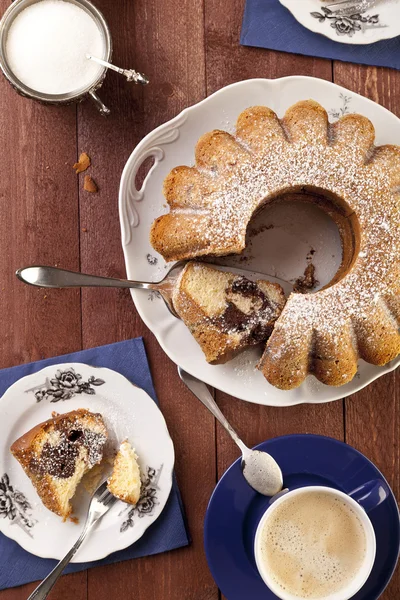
pixel 52 277
pixel 200 390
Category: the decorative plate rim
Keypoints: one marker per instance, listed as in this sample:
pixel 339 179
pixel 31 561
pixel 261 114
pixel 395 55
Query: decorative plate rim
pixel 303 19
pixel 168 473
pixel 123 192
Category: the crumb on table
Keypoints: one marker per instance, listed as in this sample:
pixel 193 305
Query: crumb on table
pixel 82 164
pixel 89 185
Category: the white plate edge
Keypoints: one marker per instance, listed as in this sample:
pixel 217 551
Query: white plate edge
pixel 169 474
pixel 351 41
pixel 167 125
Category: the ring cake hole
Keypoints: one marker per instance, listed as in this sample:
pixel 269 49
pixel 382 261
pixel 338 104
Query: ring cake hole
pixel 301 226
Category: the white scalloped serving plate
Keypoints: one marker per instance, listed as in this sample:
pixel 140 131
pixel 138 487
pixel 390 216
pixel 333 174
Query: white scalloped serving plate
pixel 382 22
pixel 173 144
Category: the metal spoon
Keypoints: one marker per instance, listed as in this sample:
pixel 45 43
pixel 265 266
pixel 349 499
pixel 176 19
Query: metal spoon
pixel 130 74
pixel 260 470
pixel 53 277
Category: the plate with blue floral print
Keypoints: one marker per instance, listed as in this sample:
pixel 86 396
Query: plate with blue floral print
pixel 348 21
pixel 129 413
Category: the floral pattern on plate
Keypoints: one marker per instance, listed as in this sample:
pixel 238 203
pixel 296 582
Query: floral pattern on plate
pixel 15 506
pixel 344 109
pixel 356 25
pixel 346 25
pixel 129 413
pixel 148 498
pixel 64 385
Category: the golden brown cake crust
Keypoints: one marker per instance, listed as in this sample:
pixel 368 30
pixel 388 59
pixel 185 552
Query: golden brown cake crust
pixel 28 450
pixel 335 165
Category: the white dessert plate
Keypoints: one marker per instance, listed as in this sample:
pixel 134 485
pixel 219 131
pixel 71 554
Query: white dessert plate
pixel 380 22
pixel 129 413
pixel 282 240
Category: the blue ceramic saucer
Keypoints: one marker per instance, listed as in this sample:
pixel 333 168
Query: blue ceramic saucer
pixel 235 509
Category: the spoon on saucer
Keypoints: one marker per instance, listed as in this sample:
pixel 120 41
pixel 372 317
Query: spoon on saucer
pixel 53 277
pixel 260 470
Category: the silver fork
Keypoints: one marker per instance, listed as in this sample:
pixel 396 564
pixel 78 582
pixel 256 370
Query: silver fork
pixel 346 7
pixel 101 502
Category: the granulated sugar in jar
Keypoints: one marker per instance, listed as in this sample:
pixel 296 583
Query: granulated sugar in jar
pixel 47 44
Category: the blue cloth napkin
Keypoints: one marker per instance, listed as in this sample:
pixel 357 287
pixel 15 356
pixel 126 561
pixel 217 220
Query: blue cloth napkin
pixel 268 24
pixel 169 531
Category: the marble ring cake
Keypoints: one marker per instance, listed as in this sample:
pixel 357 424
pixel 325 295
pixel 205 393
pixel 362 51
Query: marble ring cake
pixel 304 158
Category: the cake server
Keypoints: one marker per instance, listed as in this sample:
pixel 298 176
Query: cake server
pixel 53 277
pixel 260 469
pixel 101 502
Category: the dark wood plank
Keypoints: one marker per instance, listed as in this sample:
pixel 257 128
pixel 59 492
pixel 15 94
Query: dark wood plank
pixel 372 426
pixel 39 208
pixel 164 39
pixel 39 224
pixel 227 61
pixel 258 423
pixel 372 415
pixel 69 586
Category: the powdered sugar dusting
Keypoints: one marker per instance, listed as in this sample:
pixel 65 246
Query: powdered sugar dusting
pixel 342 165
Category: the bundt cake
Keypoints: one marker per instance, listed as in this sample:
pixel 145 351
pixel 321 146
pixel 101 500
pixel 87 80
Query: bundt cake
pixel 56 455
pixel 125 482
pixel 225 313
pixel 301 157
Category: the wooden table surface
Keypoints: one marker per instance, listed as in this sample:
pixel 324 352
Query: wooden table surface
pixel 189 49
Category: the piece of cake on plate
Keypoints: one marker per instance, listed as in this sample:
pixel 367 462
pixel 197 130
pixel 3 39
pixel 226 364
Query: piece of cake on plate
pixel 125 482
pixel 56 455
pixel 224 312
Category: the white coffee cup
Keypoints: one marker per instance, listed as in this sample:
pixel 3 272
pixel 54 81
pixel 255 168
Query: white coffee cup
pixel 370 548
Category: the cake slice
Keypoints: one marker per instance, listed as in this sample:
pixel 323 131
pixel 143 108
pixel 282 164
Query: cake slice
pixel 125 482
pixel 56 455
pixel 225 312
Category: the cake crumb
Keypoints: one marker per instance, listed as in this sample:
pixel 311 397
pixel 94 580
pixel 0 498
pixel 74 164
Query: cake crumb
pixel 253 232
pixel 82 164
pixel 310 254
pixel 89 185
pixel 306 282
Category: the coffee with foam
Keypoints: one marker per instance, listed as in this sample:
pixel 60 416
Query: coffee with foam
pixel 313 545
